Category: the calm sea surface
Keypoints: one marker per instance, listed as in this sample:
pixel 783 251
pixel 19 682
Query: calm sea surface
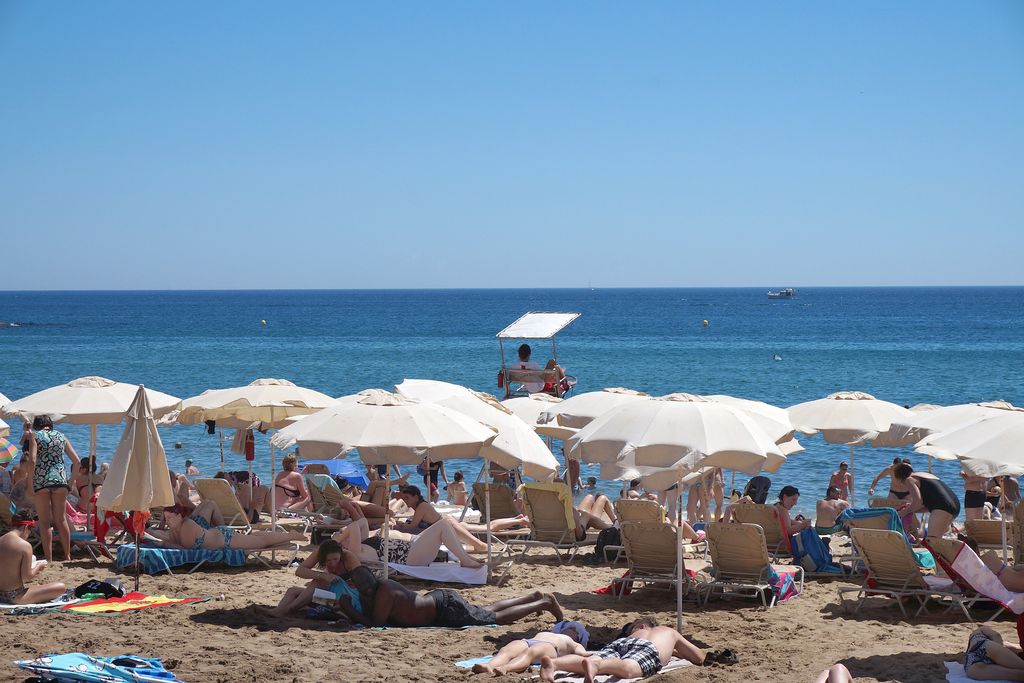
pixel 907 345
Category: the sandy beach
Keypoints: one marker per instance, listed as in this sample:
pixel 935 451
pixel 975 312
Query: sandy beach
pixel 225 640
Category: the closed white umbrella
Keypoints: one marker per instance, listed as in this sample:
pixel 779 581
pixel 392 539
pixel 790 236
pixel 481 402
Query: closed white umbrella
pixel 88 401
pixel 137 480
pixel 849 417
pixel 684 434
pixel 267 401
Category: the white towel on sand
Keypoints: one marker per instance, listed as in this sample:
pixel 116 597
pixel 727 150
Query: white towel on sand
pixel 444 572
pixel 955 674
pixel 563 677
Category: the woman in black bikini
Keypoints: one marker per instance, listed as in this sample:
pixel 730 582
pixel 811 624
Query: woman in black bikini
pixel 289 490
pixel 928 493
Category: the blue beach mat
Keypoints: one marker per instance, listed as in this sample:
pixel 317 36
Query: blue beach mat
pixel 156 560
pixel 76 666
pixel 469 663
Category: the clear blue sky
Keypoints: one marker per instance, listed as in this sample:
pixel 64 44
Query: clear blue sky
pixel 468 144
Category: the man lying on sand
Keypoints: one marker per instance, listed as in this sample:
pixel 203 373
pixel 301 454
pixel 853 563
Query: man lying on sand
pixel 641 651
pixel 565 638
pixel 388 602
pixel 16 568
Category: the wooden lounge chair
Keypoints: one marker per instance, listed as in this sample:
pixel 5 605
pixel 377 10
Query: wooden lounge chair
pixel 892 570
pixel 739 554
pixel 650 549
pixel 552 522
pixel 636 510
pixel 502 500
pixel 220 493
pixel 988 533
pixel 766 517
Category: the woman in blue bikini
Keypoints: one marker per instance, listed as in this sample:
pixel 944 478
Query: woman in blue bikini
pixel 203 528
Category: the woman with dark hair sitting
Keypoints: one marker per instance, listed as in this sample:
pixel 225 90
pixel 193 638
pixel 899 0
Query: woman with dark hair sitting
pixel 324 569
pixel 85 474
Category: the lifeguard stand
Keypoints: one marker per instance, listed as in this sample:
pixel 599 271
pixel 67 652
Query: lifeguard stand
pixel 535 325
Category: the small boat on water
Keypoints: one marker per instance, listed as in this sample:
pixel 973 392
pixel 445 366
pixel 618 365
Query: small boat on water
pixel 787 293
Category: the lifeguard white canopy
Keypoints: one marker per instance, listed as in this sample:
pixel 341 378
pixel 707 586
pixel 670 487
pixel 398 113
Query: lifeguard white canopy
pixel 535 325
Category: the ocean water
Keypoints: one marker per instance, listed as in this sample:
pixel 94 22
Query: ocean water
pixel 906 345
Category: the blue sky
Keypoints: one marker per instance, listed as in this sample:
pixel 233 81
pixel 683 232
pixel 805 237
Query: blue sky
pixel 466 144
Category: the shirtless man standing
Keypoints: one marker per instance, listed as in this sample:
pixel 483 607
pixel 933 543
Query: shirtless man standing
pixel 16 567
pixel 641 652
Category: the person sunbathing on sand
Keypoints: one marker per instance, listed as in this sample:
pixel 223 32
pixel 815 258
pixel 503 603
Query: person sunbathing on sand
pixel 417 551
pixel 641 651
pixel 17 569
pixel 203 528
pixel 565 638
pixel 387 602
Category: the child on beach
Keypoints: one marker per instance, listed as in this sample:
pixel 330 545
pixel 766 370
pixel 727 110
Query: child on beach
pixel 565 638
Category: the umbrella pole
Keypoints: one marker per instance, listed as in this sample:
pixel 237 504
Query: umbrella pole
pixel 221 434
pixel 732 484
pixel 387 515
pixel 137 561
pixel 469 496
pixel 930 471
pixel 679 566
pixel 273 488
pixel 1002 527
pixel 853 491
pixel 92 464
pixel 487 514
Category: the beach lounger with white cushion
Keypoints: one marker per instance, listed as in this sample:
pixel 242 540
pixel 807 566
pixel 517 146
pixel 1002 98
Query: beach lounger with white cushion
pixel 741 563
pixel 892 571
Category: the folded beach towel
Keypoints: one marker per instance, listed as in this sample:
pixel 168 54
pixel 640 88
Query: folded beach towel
pixel 156 560
pixel 955 674
pixel 673 664
pixel 130 602
pixel 444 572
pixel 76 666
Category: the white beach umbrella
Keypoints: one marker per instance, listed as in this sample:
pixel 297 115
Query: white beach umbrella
pixel 683 435
pixel 941 419
pixel 137 480
pixel 528 408
pixel 5 429
pixel 267 401
pixel 430 390
pixel 582 409
pixel 388 429
pixel 774 421
pixel 88 401
pixel 849 417
pixel 990 446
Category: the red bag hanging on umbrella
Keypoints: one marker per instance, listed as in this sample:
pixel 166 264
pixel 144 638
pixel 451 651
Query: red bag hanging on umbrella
pixel 250 445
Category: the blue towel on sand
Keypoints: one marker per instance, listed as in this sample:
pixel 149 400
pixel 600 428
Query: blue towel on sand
pixel 468 663
pixel 76 666
pixel 156 560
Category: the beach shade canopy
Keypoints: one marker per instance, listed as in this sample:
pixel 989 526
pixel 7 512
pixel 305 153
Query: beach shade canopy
pixel 269 401
pixel 580 410
pixel 991 446
pixel 7 450
pixel 774 421
pixel 516 444
pixel 387 429
pixel 430 390
pixel 941 419
pixel 682 435
pixel 88 400
pixel 847 417
pixel 528 408
pixel 137 480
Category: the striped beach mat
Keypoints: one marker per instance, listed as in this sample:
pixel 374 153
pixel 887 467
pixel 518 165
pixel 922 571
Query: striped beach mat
pixel 156 560
pixel 77 666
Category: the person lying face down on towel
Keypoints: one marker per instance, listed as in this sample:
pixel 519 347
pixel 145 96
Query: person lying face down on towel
pixel 203 529
pixel 565 638
pixel 641 651
pixel 16 568
pixel 389 603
